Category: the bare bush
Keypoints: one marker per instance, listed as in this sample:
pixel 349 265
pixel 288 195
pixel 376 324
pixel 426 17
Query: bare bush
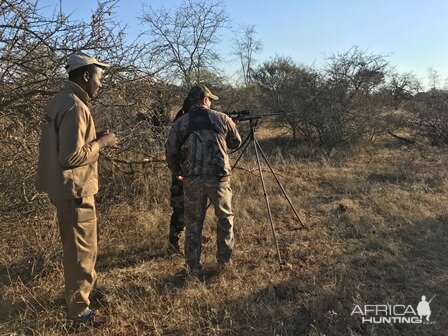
pixel 401 88
pixel 245 47
pixel 335 107
pixel 33 51
pixel 288 88
pixel 349 108
pixel 185 38
pixel 430 116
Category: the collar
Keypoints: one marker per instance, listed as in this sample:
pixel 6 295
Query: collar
pixel 78 91
pixel 198 109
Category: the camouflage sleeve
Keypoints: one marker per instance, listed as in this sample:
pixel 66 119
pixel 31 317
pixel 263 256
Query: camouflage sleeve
pixel 233 138
pixel 172 150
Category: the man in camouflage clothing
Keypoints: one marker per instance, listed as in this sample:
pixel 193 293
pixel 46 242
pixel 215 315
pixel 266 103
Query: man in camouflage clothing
pixel 197 151
pixel 177 222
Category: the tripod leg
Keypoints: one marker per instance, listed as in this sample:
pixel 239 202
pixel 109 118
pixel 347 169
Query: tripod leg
pixel 241 154
pixel 268 206
pixel 278 182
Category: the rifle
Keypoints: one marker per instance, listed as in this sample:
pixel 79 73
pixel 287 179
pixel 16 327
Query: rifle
pixel 245 115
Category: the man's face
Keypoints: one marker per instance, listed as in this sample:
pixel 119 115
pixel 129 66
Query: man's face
pixel 94 81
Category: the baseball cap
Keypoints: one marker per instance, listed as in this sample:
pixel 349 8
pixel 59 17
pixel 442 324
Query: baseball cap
pixel 201 91
pixel 79 59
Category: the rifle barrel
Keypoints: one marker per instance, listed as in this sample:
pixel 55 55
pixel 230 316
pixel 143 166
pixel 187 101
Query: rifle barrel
pixel 260 116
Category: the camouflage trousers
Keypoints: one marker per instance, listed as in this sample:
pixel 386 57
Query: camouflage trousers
pixel 177 222
pixel 195 197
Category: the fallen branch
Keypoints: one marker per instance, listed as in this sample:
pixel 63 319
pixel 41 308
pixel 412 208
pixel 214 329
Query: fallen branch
pixel 131 162
pixel 407 140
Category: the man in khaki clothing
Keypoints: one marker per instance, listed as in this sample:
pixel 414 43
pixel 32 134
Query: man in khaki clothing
pixel 68 173
pixel 197 151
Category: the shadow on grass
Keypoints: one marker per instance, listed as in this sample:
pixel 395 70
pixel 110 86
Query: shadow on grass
pixel 37 265
pixel 285 316
pixel 27 270
pixel 130 257
pixel 396 267
pixel 387 178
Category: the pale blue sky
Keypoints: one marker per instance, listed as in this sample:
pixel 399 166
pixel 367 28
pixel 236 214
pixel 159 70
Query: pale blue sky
pixel 414 32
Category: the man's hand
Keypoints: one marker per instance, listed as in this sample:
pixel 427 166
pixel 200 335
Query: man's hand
pixel 107 139
pixel 180 178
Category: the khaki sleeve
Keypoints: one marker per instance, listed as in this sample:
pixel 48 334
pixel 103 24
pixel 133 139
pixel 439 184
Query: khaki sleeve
pixel 74 148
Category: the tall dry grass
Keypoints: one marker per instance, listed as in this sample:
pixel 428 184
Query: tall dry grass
pixel 376 232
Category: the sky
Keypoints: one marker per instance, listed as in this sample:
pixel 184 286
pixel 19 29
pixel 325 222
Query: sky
pixel 414 33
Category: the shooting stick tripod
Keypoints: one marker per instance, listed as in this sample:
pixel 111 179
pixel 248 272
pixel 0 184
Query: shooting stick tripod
pixel 253 122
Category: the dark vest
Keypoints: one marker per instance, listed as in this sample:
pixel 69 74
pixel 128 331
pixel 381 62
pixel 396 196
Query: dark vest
pixel 199 120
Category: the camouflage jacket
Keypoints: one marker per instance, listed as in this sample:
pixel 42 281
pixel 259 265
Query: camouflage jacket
pixel 198 144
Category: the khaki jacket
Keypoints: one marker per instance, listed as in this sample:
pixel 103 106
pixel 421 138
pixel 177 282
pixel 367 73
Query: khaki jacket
pixel 198 144
pixel 68 153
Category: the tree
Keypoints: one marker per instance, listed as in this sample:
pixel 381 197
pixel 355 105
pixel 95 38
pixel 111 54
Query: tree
pixel 431 116
pixel 185 38
pixel 288 88
pixel 402 87
pixel 245 46
pixel 433 78
pixel 349 107
pixel 355 71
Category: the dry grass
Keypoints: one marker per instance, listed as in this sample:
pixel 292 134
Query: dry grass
pixel 376 232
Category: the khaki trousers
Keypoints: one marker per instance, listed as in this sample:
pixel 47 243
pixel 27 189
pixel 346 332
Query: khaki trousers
pixel 196 192
pixel 78 230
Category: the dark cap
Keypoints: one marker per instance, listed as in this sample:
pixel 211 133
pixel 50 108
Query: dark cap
pixel 201 91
